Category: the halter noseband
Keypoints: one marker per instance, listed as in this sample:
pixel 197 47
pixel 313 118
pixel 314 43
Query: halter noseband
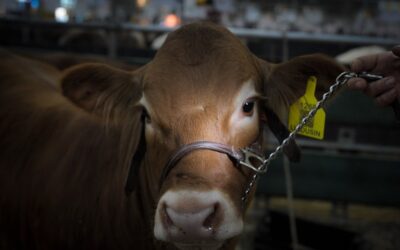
pixel 245 157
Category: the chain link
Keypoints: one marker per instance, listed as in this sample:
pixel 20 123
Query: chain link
pixel 340 81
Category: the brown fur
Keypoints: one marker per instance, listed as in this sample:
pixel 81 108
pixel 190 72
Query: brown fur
pixel 54 157
pixel 64 61
pixel 65 153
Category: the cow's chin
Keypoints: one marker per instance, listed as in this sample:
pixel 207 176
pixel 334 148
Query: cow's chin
pixel 196 219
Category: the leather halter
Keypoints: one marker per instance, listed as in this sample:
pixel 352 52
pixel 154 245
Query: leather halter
pixel 235 155
pixel 248 157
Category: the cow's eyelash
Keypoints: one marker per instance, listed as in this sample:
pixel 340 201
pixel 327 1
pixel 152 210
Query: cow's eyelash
pixel 258 98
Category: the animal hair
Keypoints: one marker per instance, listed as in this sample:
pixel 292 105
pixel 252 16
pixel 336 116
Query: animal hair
pixel 69 165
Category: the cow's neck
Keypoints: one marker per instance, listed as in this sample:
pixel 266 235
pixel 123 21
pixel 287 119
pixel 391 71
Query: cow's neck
pixel 142 203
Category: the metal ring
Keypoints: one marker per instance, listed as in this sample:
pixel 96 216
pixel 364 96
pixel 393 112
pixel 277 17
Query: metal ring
pixel 250 154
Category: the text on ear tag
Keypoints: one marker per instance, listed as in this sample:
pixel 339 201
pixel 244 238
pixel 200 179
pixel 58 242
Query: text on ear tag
pixel 315 126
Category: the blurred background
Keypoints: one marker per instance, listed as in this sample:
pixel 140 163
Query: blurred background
pixel 129 28
pixel 345 193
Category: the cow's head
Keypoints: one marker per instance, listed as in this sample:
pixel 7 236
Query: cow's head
pixel 203 85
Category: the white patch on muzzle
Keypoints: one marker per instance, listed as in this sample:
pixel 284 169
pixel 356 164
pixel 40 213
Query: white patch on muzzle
pixel 196 219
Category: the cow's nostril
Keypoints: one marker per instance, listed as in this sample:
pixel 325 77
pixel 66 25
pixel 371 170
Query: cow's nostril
pixel 212 219
pixel 165 217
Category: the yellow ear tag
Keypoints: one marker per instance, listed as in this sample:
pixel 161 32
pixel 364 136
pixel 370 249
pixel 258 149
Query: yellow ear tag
pixel 315 127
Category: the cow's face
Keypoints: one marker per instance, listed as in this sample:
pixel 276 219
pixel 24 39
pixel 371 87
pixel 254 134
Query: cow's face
pixel 209 93
pixel 200 199
pixel 203 85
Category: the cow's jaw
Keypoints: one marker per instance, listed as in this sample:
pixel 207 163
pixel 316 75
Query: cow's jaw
pixel 196 219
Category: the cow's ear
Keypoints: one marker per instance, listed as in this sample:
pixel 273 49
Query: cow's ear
pixel 90 85
pixel 286 82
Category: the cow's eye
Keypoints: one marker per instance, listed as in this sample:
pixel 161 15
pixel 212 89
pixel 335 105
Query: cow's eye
pixel 248 107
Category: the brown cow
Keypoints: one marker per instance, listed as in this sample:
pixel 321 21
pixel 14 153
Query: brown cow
pixel 145 159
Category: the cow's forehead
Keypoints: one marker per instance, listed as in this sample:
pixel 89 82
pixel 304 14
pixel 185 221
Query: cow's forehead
pixel 202 57
pixel 198 67
pixel 196 88
pixel 206 79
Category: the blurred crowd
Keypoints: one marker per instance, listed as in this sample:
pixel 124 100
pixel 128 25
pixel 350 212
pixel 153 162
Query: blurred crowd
pixel 379 18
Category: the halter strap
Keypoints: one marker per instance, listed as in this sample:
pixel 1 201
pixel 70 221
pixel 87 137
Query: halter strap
pixel 133 174
pixel 235 155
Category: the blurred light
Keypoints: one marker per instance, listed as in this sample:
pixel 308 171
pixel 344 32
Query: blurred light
pixel 61 15
pixel 171 21
pixel 141 3
pixel 69 4
pixel 35 4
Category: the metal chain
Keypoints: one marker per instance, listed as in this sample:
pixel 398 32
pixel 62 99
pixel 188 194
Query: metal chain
pixel 340 81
